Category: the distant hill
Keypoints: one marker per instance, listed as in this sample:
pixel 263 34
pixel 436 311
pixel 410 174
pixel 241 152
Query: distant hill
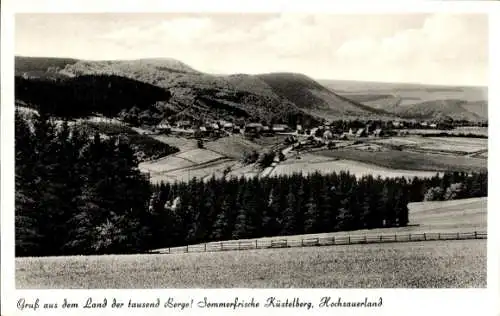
pixel 29 64
pixel 41 67
pixel 140 69
pixel 286 97
pixel 262 97
pixel 309 94
pixel 455 109
pixel 405 98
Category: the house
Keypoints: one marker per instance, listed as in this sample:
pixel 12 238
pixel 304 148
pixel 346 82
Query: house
pixel 351 132
pixel 369 128
pixel 328 135
pixel 433 125
pixel 253 128
pixel 280 128
pixel 299 128
pixel 215 126
pixel 163 127
pixel 378 132
pixel 361 132
pixel 424 124
pixel 228 126
pixel 184 124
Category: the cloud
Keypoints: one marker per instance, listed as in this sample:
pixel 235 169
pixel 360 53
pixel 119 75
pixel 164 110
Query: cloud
pixel 179 31
pixel 455 45
pixel 382 47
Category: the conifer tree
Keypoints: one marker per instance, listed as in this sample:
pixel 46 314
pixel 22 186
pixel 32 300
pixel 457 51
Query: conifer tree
pixel 311 216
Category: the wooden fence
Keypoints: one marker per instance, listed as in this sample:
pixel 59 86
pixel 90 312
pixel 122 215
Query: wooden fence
pixel 320 241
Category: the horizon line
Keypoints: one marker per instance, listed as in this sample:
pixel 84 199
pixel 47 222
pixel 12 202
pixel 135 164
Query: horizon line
pixel 271 72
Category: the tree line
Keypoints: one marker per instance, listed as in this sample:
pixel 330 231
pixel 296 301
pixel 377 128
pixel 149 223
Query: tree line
pixel 77 193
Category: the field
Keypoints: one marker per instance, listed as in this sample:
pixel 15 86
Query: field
pixel 482 131
pixel 405 160
pixel 233 146
pixel 182 143
pixel 441 264
pixel 359 169
pixel 199 156
pixel 199 163
pixel 455 145
pixel 472 130
pixel 165 164
pixel 448 264
pixel 204 171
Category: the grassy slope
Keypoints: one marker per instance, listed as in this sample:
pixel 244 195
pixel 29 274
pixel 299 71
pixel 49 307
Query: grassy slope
pixel 233 146
pixel 413 265
pixel 416 264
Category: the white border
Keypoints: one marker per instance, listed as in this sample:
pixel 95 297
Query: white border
pixel 396 302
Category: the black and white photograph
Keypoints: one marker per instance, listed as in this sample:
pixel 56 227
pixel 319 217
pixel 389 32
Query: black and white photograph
pixel 216 150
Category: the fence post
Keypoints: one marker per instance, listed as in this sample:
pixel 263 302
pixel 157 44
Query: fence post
pixel 256 243
pixel 366 240
pixel 221 246
pixel 286 243
pixel 333 240
pixel 349 239
pixel 380 238
pixel 458 235
pixel 239 243
pixel 425 236
pixel 205 247
pixel 169 250
pixel 475 235
pixel 302 242
pixel 395 237
pixel 187 248
pixel 409 236
pixel 439 236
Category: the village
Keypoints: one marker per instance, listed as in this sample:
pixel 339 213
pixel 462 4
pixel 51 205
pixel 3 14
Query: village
pixel 324 132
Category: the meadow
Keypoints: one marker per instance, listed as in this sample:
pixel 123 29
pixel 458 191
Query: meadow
pixel 186 165
pixel 405 160
pixel 451 264
pixel 233 146
pixel 359 169
pixel 457 145
pixel 480 131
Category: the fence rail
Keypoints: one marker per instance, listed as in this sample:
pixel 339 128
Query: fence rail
pixel 321 241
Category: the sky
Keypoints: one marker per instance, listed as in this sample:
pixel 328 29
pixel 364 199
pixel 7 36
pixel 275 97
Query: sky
pixel 439 48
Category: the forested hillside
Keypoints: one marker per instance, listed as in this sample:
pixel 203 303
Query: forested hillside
pixel 81 96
